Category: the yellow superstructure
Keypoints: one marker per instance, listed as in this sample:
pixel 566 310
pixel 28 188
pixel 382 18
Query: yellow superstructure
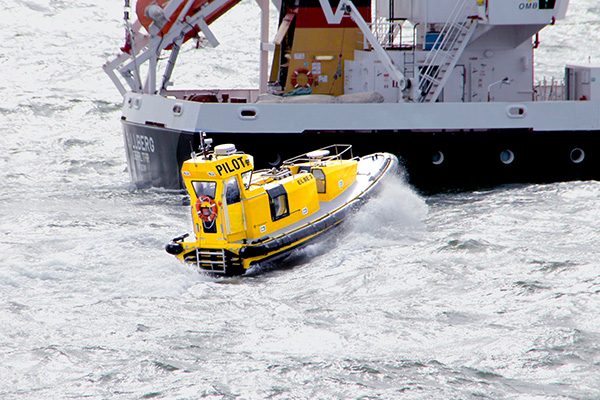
pixel 310 52
pixel 317 56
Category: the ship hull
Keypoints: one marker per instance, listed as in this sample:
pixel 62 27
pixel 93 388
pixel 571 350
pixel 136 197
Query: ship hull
pixel 433 161
pixel 155 155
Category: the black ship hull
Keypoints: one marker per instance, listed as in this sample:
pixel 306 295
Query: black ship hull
pixel 433 161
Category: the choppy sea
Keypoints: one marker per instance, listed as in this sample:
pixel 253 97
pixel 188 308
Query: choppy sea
pixel 489 294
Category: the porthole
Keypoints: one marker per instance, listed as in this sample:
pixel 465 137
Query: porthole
pixel 275 161
pixel 177 109
pixel 516 111
pixel 437 158
pixel 248 113
pixel 577 155
pixel 507 157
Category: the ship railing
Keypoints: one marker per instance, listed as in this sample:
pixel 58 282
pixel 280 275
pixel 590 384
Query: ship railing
pixel 550 90
pixel 388 34
pixel 215 95
pixel 392 34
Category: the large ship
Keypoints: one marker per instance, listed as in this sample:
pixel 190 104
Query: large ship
pixel 446 85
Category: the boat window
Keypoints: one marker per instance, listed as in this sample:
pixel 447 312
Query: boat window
pixel 232 191
pixel 247 179
pixel 279 202
pixel 547 4
pixel 205 188
pixel 320 178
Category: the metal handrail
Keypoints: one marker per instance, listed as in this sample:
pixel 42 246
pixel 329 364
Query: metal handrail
pixel 338 154
pixel 443 47
pixel 386 33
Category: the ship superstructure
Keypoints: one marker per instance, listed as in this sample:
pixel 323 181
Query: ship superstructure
pixel 447 85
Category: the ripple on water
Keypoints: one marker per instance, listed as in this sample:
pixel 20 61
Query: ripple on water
pixel 466 245
pixel 491 294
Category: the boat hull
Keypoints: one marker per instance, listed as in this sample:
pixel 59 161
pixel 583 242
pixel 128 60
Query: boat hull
pixel 433 160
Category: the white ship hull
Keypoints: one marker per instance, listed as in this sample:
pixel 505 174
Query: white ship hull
pixel 442 145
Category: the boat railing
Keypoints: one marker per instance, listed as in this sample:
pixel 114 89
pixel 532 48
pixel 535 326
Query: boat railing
pixel 332 152
pixel 274 173
pixel 264 176
pixel 550 90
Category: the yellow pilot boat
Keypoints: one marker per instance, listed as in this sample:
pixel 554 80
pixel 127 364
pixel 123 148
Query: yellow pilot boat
pixel 244 218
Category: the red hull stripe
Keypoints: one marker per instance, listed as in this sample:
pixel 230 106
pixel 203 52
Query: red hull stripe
pixel 333 3
pixel 313 17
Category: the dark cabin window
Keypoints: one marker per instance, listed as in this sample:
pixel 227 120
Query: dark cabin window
pixel 205 188
pixel 320 178
pixel 247 179
pixel 232 191
pixel 547 4
pixel 278 201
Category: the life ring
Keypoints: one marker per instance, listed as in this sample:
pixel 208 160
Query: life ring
pixel 309 78
pixel 206 209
